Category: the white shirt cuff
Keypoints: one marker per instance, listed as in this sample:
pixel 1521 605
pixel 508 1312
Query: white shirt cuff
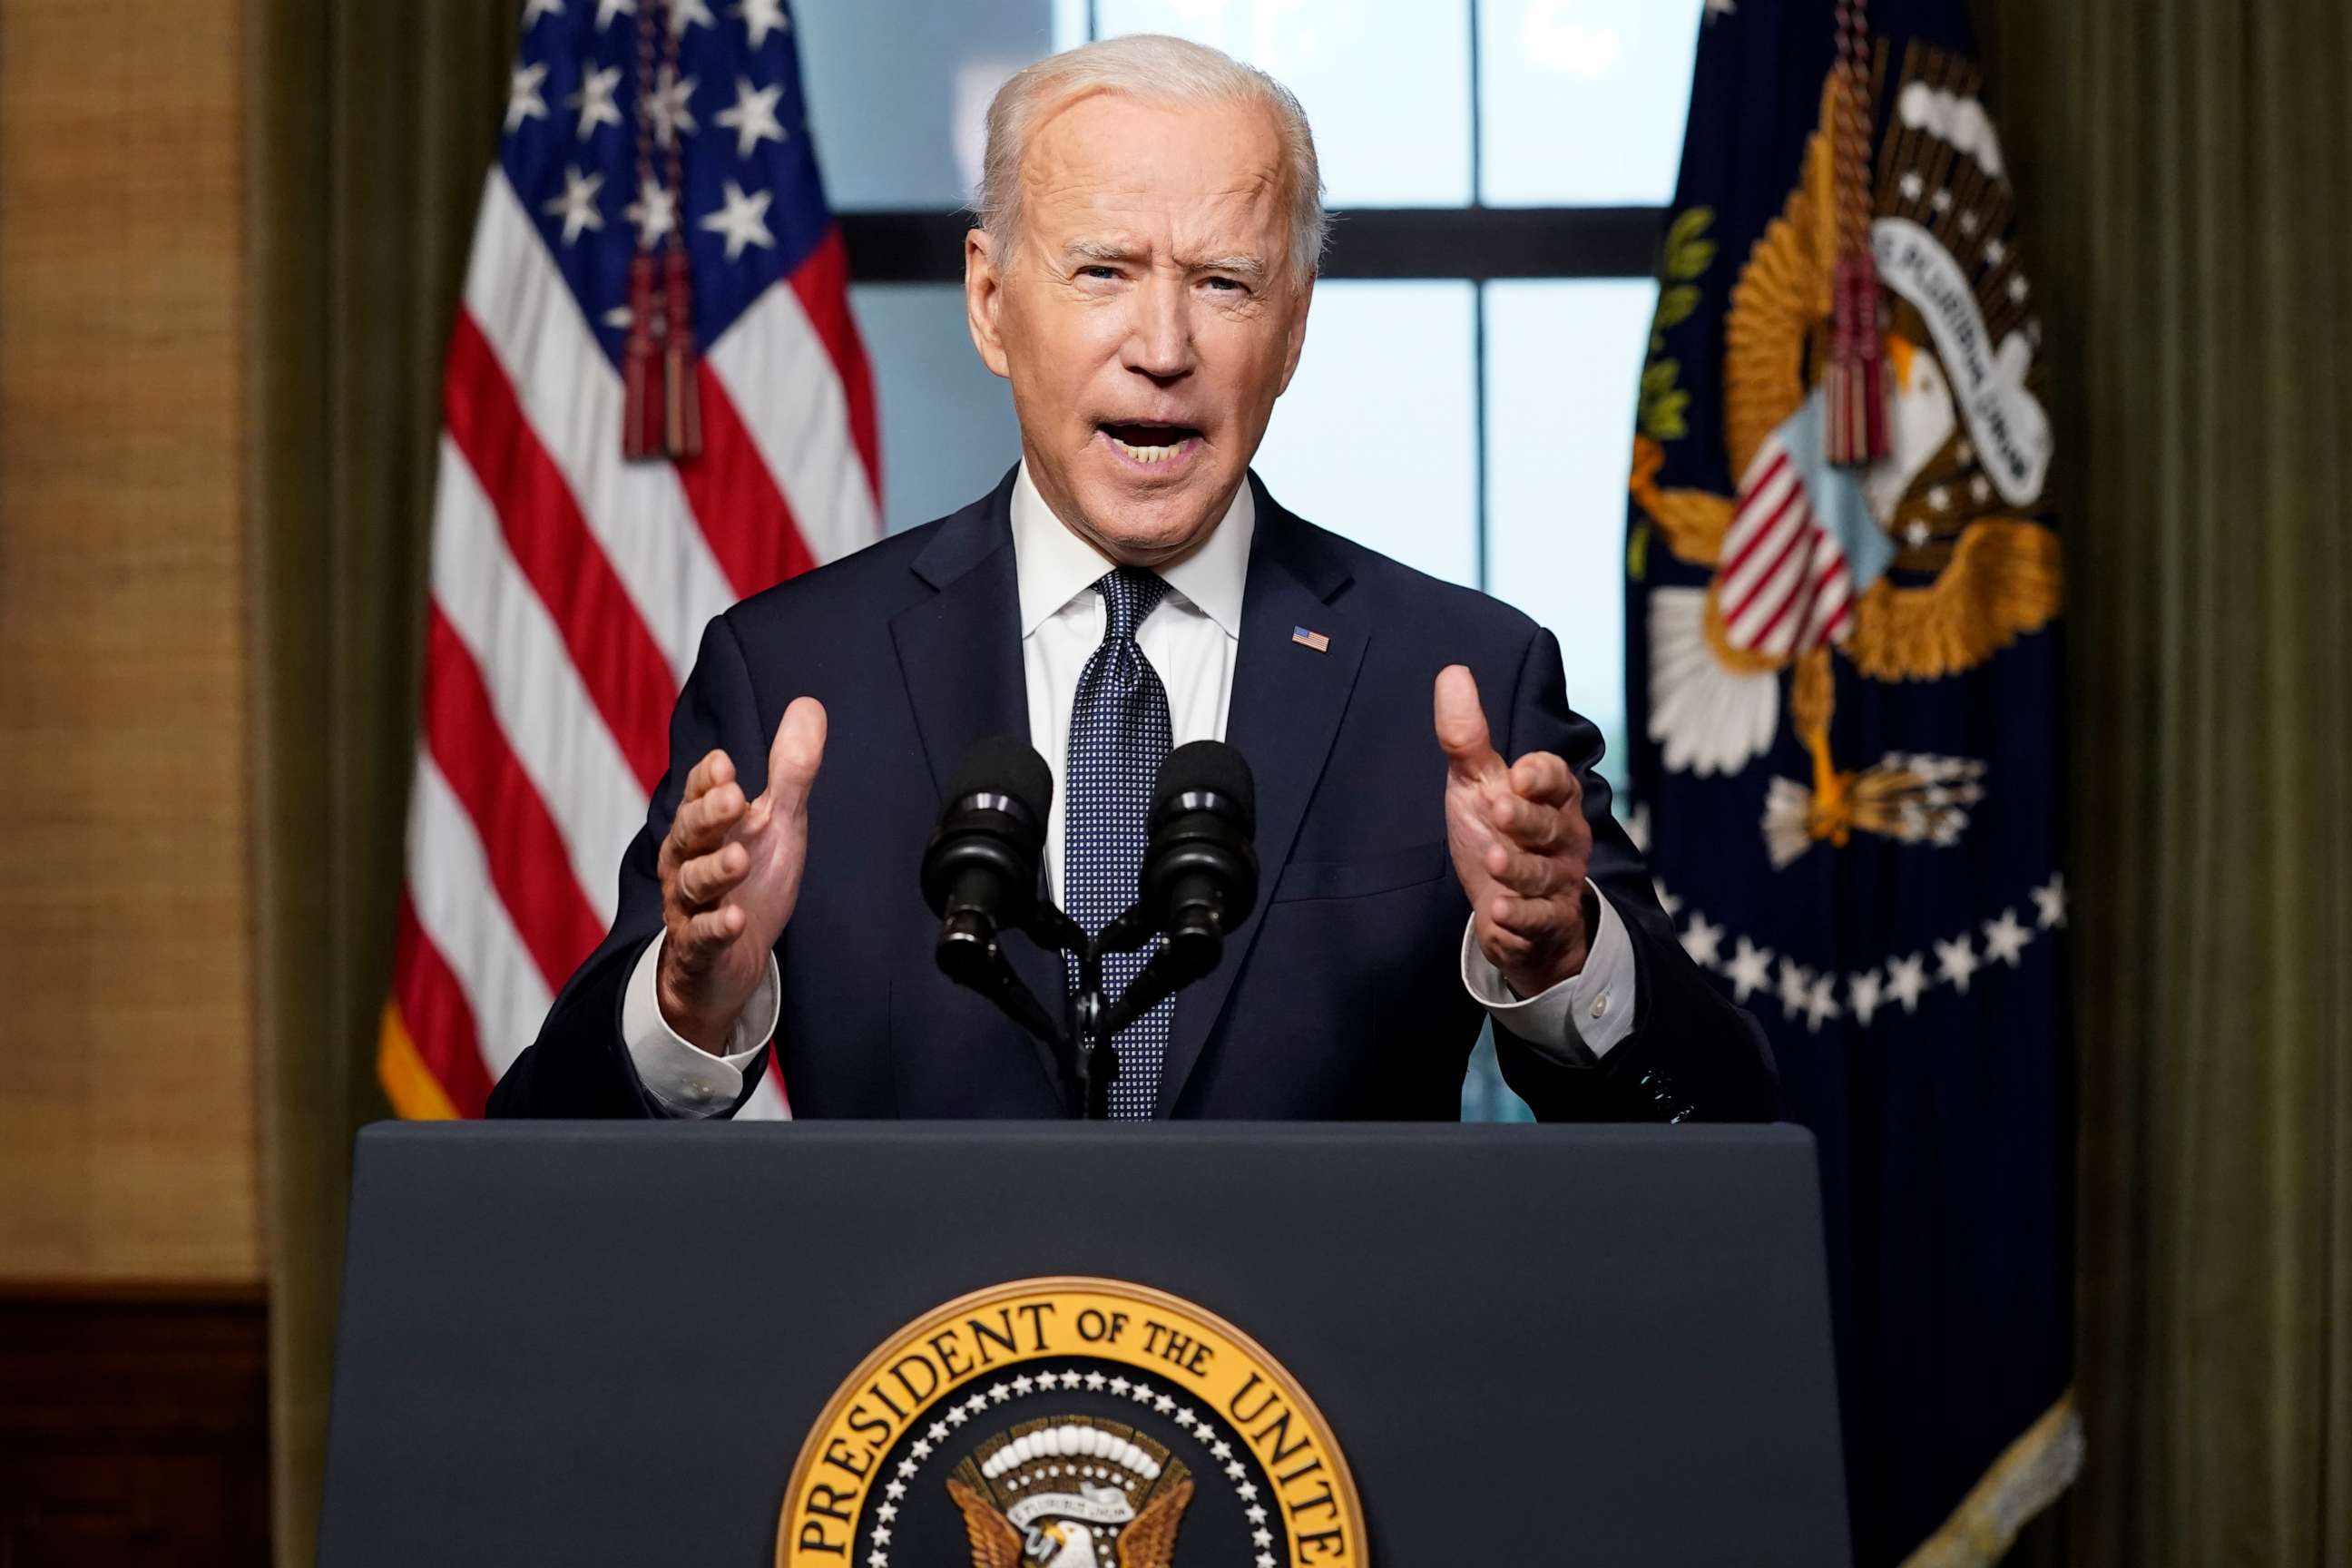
pixel 1578 1019
pixel 684 1079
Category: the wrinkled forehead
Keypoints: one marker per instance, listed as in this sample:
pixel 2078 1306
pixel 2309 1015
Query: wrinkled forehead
pixel 1201 179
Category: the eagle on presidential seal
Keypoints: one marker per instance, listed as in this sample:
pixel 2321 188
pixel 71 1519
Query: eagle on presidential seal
pixel 1919 565
pixel 1069 1492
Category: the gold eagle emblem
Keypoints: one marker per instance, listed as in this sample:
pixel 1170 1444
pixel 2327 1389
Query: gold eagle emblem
pixel 1071 1492
pixel 1924 565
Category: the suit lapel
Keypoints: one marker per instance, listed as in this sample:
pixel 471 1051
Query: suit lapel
pixel 960 656
pixel 1284 711
pixel 960 650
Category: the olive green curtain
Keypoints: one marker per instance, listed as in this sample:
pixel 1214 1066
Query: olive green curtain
pixel 370 128
pixel 2186 172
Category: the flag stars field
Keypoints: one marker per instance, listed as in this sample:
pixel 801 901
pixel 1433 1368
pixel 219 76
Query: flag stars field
pixel 1702 941
pixel 1749 971
pixel 761 17
pixel 1955 960
pixel 524 102
pixel 595 100
pixel 577 204
pixel 743 220
pixel 654 213
pixel 753 118
pixel 2050 902
pixel 2005 939
pixel 668 105
pixel 1863 992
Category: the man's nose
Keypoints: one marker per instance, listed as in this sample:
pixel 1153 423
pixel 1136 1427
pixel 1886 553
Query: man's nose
pixel 1160 341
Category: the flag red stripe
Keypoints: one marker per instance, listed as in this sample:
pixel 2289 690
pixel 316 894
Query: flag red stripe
pixel 822 281
pixel 1788 524
pixel 433 1009
pixel 1832 590
pixel 616 657
pixel 1770 575
pixel 529 863
pixel 734 496
pixel 1801 592
pixel 1764 530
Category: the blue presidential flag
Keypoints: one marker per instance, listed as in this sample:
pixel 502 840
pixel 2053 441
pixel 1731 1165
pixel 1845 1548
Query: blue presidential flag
pixel 1843 655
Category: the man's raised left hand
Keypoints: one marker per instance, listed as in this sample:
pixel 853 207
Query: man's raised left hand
pixel 1520 845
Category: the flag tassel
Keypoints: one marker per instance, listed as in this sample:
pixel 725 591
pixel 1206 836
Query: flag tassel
pixel 1853 381
pixel 661 407
pixel 661 403
pixel 682 426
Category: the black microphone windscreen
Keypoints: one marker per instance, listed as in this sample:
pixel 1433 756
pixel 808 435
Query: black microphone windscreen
pixel 1206 767
pixel 1006 764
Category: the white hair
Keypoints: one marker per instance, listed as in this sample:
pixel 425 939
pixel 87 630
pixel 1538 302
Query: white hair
pixel 1153 69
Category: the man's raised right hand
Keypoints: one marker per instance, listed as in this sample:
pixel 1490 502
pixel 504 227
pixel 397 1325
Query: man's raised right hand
pixel 730 873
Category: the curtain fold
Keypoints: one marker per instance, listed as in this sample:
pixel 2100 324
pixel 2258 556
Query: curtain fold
pixel 2184 164
pixel 370 130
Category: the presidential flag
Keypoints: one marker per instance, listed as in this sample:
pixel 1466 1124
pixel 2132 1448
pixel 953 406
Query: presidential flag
pixel 1843 662
pixel 655 403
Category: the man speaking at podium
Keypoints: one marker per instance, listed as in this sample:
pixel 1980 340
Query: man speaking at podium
pixel 1434 846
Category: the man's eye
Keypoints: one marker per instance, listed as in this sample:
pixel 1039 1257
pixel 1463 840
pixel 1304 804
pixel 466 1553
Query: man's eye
pixel 1227 285
pixel 1097 272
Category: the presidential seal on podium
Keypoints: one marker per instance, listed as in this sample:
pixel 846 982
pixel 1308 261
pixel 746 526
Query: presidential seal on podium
pixel 1070 1423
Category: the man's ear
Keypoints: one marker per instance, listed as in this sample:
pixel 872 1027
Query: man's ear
pixel 984 298
pixel 1296 339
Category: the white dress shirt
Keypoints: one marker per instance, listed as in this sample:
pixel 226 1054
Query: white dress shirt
pixel 1190 638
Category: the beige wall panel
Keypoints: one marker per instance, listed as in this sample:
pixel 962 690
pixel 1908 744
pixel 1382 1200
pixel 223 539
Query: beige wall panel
pixel 126 1072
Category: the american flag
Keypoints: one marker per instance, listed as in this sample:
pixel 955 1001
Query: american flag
pixel 648 143
pixel 1785 583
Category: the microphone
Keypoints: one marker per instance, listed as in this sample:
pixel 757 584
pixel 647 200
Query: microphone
pixel 979 869
pixel 1199 869
pixel 1198 878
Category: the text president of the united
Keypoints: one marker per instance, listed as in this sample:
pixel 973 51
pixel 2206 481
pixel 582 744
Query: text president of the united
pixel 1436 847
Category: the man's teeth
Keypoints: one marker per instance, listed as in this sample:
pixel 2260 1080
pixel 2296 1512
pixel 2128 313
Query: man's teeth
pixel 1147 454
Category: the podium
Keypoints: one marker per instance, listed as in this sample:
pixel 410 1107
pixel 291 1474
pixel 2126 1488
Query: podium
pixel 612 1344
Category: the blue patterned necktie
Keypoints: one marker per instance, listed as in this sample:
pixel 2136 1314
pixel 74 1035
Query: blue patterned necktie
pixel 1119 735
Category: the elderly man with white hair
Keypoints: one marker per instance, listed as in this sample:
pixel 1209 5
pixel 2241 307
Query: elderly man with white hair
pixel 1435 846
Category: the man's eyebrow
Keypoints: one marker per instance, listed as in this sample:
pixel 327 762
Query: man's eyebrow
pixel 1095 250
pixel 1242 262
pixel 1100 250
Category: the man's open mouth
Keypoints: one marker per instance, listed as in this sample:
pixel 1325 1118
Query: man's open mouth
pixel 1146 441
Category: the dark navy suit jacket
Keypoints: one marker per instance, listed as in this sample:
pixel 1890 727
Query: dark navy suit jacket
pixel 1339 996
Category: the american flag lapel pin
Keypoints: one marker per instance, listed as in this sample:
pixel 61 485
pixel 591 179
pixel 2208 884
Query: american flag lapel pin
pixel 1315 640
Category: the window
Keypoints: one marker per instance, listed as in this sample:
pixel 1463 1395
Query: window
pixel 1500 165
pixel 1385 83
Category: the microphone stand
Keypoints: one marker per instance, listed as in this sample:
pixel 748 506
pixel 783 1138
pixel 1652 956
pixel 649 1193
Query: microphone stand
pixel 969 954
pixel 1093 1022
pixel 1191 949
